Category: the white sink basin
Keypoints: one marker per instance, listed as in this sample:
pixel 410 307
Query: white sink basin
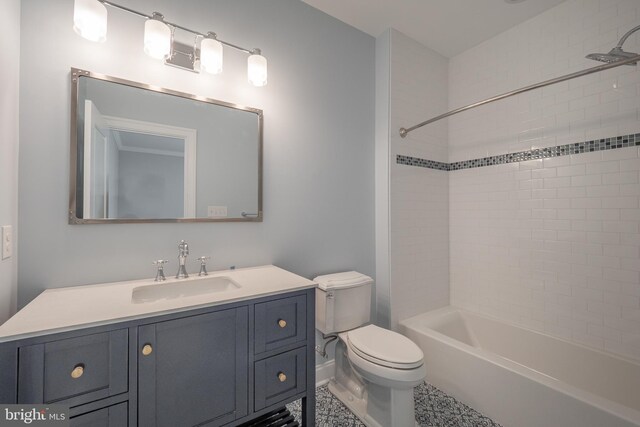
pixel 182 289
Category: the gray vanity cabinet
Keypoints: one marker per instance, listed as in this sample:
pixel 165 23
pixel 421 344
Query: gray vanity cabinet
pixel 74 371
pixel 280 322
pixel 193 371
pixel 210 366
pixel 279 377
pixel 112 416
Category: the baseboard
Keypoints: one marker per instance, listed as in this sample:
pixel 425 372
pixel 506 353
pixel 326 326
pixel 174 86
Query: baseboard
pixel 325 372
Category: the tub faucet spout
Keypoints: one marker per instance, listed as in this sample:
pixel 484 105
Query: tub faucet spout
pixel 183 251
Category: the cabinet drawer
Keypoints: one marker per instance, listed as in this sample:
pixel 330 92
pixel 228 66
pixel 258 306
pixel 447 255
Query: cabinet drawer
pixel 280 322
pixel 279 377
pixel 113 416
pixel 75 370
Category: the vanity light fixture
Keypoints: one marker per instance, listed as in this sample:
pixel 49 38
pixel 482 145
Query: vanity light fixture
pixel 90 22
pixel 211 54
pixel 157 37
pixel 257 68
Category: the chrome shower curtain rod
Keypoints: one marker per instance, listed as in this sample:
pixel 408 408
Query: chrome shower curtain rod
pixel 636 58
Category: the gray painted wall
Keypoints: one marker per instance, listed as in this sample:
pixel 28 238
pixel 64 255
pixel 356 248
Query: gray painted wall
pixel 9 101
pixel 318 154
pixel 150 185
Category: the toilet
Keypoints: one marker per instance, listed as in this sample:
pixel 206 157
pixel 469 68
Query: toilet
pixel 376 369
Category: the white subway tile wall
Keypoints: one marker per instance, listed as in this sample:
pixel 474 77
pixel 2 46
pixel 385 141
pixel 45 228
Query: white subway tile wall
pixel 564 259
pixel 552 244
pixel 554 43
pixel 419 202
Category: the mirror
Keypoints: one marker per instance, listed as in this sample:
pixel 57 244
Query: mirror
pixel 140 153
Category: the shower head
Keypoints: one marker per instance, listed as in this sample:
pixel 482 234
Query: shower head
pixel 616 54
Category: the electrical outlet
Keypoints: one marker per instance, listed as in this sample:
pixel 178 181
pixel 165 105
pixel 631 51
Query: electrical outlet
pixel 7 241
pixel 217 211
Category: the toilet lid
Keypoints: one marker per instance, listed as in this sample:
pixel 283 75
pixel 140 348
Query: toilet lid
pixel 385 347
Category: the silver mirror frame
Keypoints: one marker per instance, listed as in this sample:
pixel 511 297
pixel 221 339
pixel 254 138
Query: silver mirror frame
pixel 76 73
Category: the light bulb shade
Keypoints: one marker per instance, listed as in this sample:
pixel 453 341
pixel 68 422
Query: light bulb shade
pixel 90 20
pixel 211 56
pixel 157 39
pixel 257 70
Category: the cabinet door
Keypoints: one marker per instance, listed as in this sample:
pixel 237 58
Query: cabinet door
pixel 113 416
pixel 194 370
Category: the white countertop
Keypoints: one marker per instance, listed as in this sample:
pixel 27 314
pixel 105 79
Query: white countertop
pixel 63 309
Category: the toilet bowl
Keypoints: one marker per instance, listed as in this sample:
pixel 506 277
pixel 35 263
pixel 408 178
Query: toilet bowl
pixel 385 357
pixel 376 369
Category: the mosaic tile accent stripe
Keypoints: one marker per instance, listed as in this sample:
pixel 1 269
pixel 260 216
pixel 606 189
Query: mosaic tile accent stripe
pixel 539 153
pixel 423 163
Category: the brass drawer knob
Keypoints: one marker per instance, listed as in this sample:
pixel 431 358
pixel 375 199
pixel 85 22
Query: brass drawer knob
pixel 282 323
pixel 147 349
pixel 77 372
pixel 282 377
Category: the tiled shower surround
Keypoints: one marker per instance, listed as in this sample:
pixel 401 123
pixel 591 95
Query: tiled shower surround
pixel 550 241
pixel 552 244
pixel 525 209
pixel 419 197
pixel 541 189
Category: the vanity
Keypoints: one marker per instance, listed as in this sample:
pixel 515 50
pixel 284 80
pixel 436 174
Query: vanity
pixel 217 350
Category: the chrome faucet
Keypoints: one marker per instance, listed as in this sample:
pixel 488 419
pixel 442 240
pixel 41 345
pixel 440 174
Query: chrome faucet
pixel 183 251
pixel 203 265
pixel 160 273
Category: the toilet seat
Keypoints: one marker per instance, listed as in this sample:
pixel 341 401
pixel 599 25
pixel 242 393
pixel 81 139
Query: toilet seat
pixel 385 376
pixel 385 348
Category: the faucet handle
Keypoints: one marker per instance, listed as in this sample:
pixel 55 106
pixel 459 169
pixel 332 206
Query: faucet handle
pixel 203 265
pixel 183 248
pixel 160 273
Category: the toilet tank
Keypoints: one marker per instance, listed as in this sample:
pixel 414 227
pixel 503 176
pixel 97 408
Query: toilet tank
pixel 343 301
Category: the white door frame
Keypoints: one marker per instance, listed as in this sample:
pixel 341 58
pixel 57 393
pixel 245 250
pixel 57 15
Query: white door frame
pixel 190 137
pixel 96 120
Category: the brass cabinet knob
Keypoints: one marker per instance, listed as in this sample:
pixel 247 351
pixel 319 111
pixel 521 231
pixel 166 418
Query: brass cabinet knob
pixel 77 372
pixel 282 323
pixel 282 377
pixel 147 349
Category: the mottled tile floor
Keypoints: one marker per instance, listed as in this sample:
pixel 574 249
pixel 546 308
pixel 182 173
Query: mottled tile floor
pixel 434 408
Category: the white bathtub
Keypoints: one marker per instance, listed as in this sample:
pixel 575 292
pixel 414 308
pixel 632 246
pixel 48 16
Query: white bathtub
pixel 522 378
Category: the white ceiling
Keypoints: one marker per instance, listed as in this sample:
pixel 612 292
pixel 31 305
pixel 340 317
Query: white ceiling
pixel 446 26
